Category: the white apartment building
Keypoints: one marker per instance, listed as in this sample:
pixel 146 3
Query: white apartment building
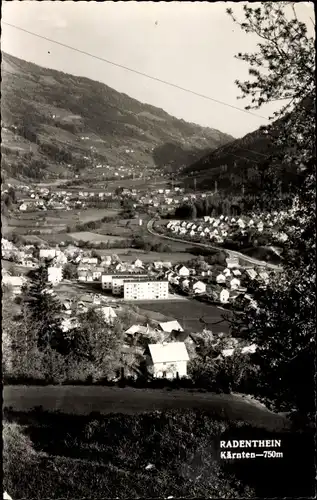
pixel 54 274
pixel 114 282
pixel 145 289
pixel 106 281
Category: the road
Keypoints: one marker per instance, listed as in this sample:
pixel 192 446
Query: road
pixel 83 400
pixel 230 253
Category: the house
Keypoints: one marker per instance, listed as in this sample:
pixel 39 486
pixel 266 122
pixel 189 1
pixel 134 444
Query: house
pixel 15 282
pixel 47 253
pixel 138 263
pixel 226 272
pixel 251 273
pixel 108 313
pixel 167 360
pixel 199 287
pixel 221 278
pixel 106 261
pixel 264 276
pixel 29 263
pixel 185 283
pixel 235 284
pixel 236 272
pixel 54 274
pixel 169 326
pixel 241 223
pixel 232 262
pixel 82 275
pixel 182 271
pixel 224 296
pixel 90 260
pixel 136 329
pixel 97 273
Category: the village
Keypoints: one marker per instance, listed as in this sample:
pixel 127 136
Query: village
pixel 110 285
pixel 223 228
pixel 161 200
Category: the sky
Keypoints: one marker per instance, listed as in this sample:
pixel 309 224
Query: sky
pixel 190 44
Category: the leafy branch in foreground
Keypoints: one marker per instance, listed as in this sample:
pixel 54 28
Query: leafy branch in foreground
pixel 283 324
pixel 284 66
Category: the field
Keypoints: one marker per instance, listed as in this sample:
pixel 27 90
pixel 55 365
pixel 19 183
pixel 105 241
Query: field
pixel 157 256
pixel 86 399
pixel 189 314
pixel 66 216
pixel 88 236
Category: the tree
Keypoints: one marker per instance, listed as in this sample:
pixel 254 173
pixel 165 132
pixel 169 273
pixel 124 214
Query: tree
pixel 70 271
pixel 21 358
pixel 283 323
pixel 44 309
pixel 12 194
pixel 96 342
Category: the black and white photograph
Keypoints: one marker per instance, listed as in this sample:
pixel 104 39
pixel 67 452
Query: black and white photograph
pixel 158 250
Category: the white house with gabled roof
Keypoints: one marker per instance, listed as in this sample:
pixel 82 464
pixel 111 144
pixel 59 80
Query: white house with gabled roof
pixel 183 271
pixel 167 360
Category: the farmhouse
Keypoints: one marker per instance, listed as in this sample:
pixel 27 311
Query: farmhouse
pixel 167 360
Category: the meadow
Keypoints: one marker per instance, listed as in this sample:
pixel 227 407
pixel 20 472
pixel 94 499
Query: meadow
pixel 191 314
pixel 95 237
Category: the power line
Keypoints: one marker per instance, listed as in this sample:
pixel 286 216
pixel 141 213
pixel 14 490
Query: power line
pixel 135 71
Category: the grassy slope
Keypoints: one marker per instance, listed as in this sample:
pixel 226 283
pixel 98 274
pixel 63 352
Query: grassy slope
pixel 236 163
pixel 112 121
pixel 58 456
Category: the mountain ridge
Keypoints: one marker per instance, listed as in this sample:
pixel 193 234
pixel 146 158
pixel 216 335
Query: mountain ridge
pixel 47 114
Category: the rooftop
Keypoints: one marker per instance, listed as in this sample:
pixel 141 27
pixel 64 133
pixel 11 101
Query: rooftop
pixel 170 352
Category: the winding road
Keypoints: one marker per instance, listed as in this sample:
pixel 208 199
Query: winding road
pixel 231 253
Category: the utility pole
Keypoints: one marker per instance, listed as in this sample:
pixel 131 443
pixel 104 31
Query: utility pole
pixel 216 187
pixel 195 184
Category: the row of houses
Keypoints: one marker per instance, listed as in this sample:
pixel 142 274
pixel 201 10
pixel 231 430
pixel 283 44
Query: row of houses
pixel 219 228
